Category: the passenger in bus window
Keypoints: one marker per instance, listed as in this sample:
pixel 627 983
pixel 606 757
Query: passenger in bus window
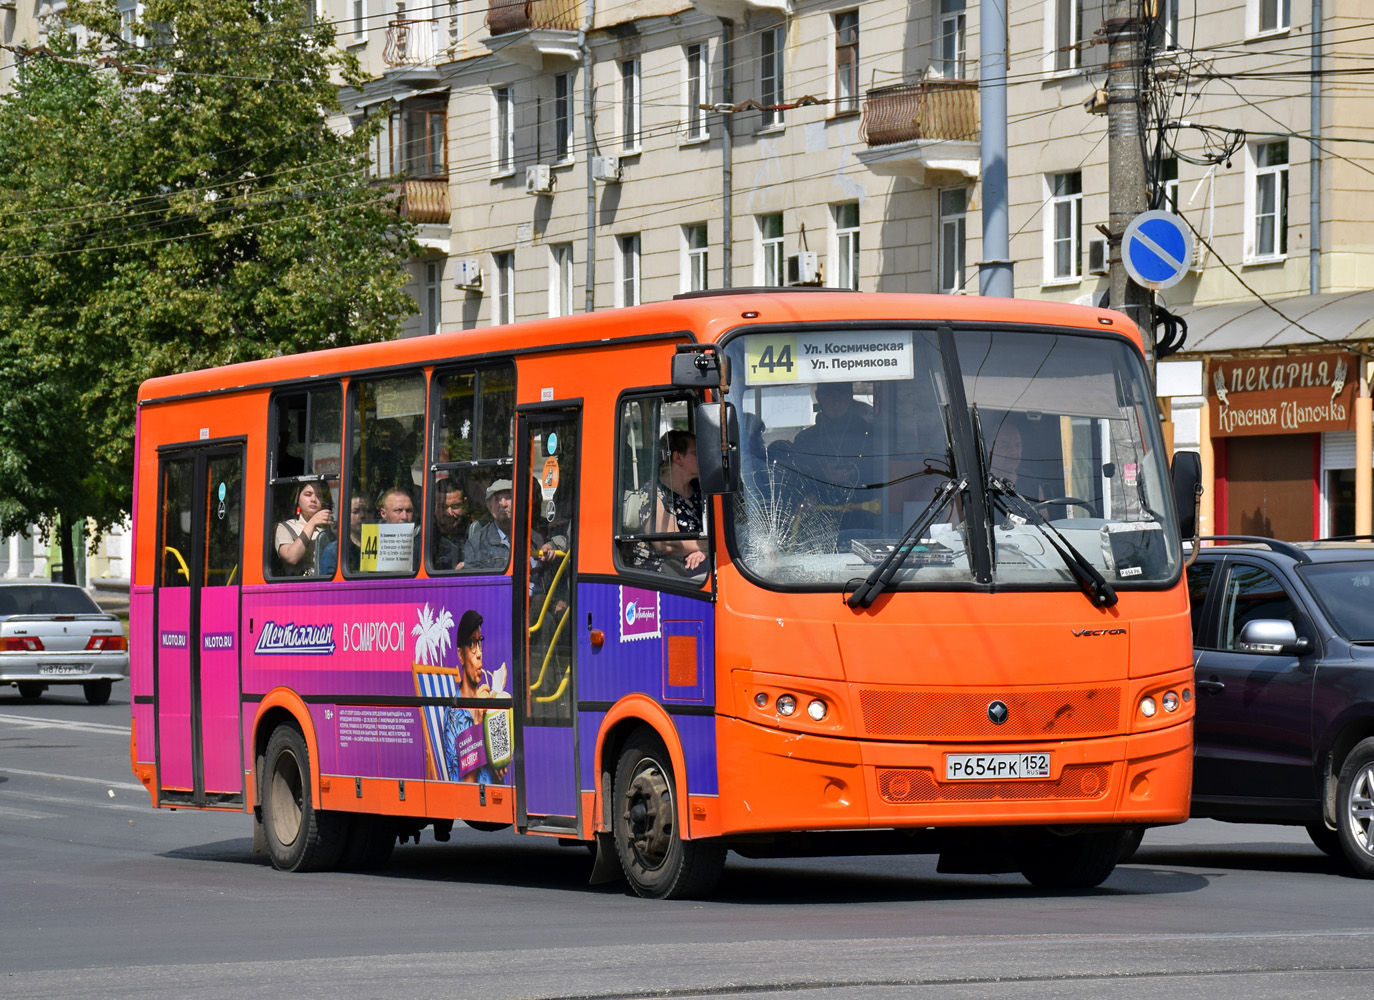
pixel 488 544
pixel 451 523
pixel 671 502
pixel 357 513
pixel 395 506
pixel 301 539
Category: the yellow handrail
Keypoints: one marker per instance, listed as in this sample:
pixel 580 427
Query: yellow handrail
pixel 548 654
pixel 185 570
pixel 563 686
pixel 553 586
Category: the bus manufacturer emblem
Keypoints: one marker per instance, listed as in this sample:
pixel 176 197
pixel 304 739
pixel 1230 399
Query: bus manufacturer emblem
pixel 998 712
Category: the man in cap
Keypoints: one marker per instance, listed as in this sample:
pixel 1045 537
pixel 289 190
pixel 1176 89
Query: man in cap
pixel 488 544
pixel 473 682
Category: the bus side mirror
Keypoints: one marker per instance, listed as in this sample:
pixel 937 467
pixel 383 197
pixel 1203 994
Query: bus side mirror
pixel 1186 471
pixel 698 368
pixel 717 469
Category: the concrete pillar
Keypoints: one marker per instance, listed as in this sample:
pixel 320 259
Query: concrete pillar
pixel 1207 522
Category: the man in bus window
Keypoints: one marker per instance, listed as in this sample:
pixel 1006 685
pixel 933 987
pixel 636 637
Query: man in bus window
pixel 396 507
pixel 357 514
pixel 488 544
pixel 451 523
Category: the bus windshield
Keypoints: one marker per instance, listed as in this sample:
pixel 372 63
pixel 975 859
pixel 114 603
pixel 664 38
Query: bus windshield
pixel 850 437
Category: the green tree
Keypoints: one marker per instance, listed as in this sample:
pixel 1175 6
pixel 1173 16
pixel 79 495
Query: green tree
pixel 173 202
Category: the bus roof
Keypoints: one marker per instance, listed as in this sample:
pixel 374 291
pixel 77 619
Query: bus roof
pixel 702 317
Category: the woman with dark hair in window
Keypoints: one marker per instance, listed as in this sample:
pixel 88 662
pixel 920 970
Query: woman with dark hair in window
pixel 672 502
pixel 299 538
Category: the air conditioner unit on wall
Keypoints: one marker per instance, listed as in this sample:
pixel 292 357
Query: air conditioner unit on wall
pixel 539 179
pixel 803 269
pixel 1097 256
pixel 468 274
pixel 606 168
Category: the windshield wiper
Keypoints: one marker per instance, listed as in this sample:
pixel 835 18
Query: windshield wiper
pixel 1013 504
pixel 868 591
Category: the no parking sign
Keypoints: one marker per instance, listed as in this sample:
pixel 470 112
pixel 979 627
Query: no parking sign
pixel 1157 249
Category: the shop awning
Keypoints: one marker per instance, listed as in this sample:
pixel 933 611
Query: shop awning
pixel 1251 325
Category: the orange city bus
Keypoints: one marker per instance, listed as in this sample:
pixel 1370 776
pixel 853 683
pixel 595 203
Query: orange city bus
pixel 795 573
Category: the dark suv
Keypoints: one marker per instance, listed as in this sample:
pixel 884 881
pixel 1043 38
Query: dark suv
pixel 1283 637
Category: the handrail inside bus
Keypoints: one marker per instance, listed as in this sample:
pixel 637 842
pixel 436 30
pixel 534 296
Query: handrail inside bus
pixel 553 585
pixel 548 653
pixel 185 570
pixel 562 686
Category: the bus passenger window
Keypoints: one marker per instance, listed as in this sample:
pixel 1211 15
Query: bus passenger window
pixel 471 485
pixel 662 510
pixel 305 465
pixel 386 463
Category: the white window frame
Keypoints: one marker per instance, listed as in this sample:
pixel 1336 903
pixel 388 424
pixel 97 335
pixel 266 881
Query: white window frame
pixel 434 295
pixel 130 13
pixel 772 73
pixel 951 240
pixel 696 90
pixel 359 19
pixel 561 279
pixel 1073 23
pixel 845 244
pixel 1276 178
pixel 1255 11
pixel 502 131
pixel 845 93
pixel 631 107
pixel 1170 184
pixel 1058 208
pixel 769 250
pixel 563 90
pixel 952 39
pixel 695 262
pixel 628 262
pixel 503 298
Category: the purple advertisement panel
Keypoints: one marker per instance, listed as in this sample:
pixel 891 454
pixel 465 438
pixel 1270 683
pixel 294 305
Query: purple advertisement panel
pixel 639 614
pixel 219 689
pixel 173 640
pixel 436 640
pixel 549 774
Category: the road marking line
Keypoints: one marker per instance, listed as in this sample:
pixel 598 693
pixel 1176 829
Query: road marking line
pixel 33 722
pixel 14 813
pixel 103 783
pixel 55 801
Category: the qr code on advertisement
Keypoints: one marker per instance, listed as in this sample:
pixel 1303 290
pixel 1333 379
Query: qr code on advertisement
pixel 498 737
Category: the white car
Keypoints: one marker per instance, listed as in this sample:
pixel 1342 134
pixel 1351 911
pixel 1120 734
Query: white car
pixel 53 633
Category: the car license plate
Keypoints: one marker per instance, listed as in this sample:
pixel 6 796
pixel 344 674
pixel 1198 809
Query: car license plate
pixel 63 668
pixel 996 766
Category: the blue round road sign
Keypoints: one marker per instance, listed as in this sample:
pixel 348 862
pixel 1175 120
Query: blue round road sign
pixel 1157 249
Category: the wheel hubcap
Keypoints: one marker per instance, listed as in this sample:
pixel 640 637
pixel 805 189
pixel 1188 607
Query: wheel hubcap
pixel 1361 806
pixel 648 815
pixel 285 799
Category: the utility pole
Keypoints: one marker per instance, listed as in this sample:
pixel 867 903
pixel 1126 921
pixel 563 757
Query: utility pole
pixel 1127 194
pixel 995 275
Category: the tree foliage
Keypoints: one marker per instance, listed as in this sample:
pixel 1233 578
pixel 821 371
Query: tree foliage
pixel 176 202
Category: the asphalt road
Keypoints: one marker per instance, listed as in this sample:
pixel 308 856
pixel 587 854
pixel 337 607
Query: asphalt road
pixel 103 896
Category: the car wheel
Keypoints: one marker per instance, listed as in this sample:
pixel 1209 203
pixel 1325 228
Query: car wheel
pixel 97 692
pixel 1075 861
pixel 1355 808
pixel 31 690
pixel 300 838
pixel 657 862
pixel 1328 841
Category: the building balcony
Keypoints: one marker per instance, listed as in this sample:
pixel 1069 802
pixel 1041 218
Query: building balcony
pixel 735 10
pixel 914 128
pixel 528 31
pixel 425 201
pixel 412 46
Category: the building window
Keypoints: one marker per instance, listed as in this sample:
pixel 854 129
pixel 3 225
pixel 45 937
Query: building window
pixel 847 245
pixel 1273 15
pixel 953 40
pixel 502 131
pixel 503 309
pixel 425 126
pixel 1164 28
pixel 129 14
pixel 561 279
pixel 1269 226
pixel 695 90
pixel 1076 38
pixel 434 278
pixel 563 117
pixel 359 11
pixel 631 118
pixel 694 262
pixel 774 42
pixel 1168 182
pixel 627 270
pixel 768 266
pixel 1064 224
pixel 847 61
pixel 953 222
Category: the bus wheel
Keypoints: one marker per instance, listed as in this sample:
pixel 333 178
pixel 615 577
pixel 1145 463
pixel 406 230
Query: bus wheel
pixel 657 862
pixel 370 842
pixel 299 838
pixel 31 690
pixel 1355 808
pixel 1076 861
pixel 97 692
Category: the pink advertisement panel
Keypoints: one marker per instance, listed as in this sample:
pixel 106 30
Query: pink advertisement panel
pixel 219 689
pixel 173 639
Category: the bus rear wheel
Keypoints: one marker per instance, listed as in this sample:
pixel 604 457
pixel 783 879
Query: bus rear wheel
pixel 1050 860
pixel 657 862
pixel 300 838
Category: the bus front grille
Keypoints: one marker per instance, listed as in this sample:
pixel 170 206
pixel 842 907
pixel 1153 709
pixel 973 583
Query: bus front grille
pixel 904 785
pixel 941 716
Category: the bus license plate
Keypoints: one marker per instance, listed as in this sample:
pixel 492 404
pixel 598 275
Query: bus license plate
pixel 996 766
pixel 63 668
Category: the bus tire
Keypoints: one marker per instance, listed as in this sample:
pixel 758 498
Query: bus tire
pixel 646 819
pixel 1130 843
pixel 1355 808
pixel 369 844
pixel 1076 861
pixel 300 838
pixel 31 690
pixel 97 692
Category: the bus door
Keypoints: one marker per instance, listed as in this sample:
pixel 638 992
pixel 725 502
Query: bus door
pixel 545 620
pixel 196 678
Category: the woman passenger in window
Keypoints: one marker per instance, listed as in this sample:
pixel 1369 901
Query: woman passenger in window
pixel 672 502
pixel 299 538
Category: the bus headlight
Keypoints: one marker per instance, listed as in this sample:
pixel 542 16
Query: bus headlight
pixel 1170 701
pixel 787 705
pixel 816 709
pixel 1148 707
pixel 761 700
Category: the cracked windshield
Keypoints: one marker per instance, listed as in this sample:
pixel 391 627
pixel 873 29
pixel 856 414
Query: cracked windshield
pixel 847 440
